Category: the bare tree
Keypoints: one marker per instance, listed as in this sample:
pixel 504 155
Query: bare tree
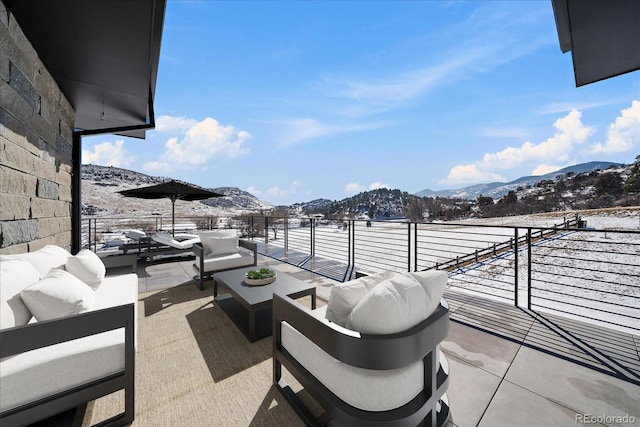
pixel 277 220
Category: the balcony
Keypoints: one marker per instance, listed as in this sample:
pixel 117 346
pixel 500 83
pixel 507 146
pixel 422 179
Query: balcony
pixel 521 351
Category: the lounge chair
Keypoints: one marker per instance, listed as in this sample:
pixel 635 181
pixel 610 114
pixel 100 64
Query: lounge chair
pixel 138 241
pixel 371 356
pixel 220 250
pixel 171 245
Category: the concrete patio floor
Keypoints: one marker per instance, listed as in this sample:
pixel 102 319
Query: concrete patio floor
pixel 509 367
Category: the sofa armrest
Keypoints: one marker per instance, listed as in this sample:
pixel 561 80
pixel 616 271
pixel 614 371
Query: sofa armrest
pixel 252 246
pixel 198 249
pixel 389 351
pixel 29 337
pixel 32 336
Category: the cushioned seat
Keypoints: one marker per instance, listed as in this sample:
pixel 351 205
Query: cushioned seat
pixel 372 353
pixel 221 262
pixel 68 333
pixel 220 250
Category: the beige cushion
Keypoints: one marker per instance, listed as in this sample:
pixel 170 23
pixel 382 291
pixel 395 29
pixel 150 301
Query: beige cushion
pixel 15 275
pixel 88 267
pixel 345 296
pixel 398 303
pixel 219 242
pixel 58 294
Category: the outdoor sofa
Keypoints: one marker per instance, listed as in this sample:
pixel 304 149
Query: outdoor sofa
pixel 220 250
pixel 370 356
pixel 68 334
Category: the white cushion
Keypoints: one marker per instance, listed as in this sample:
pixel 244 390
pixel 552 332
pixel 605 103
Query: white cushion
pixel 45 371
pixel 345 296
pixel 242 258
pixel 366 389
pixel 219 242
pixel 44 259
pixel 135 234
pixel 167 239
pixel 15 275
pixel 396 304
pixel 58 294
pixel 88 267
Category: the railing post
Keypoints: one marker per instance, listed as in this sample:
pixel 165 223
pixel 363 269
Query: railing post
pixel 352 247
pixel 89 240
pixel 529 269
pixel 286 233
pixel 312 234
pixel 415 247
pixel 515 265
pixel 266 230
pixel 95 234
pixel 409 246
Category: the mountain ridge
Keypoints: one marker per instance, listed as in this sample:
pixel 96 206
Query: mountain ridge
pixel 499 189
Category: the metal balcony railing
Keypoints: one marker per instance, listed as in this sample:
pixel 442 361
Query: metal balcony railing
pixel 566 269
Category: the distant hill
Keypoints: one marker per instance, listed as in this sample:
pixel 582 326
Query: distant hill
pixel 101 184
pixel 585 186
pixel 382 203
pixel 499 189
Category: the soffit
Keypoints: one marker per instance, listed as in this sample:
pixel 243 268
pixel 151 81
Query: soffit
pixel 103 54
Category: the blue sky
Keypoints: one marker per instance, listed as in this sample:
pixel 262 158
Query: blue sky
pixel 294 101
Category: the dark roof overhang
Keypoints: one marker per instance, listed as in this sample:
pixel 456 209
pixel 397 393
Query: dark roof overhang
pixel 602 35
pixel 103 54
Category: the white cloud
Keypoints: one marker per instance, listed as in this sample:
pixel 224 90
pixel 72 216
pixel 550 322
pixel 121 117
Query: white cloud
pixel 469 174
pixel 545 169
pixel 378 184
pixel 354 187
pixel 563 107
pixel 203 141
pixel 295 131
pixel 107 154
pixel 483 42
pixel 570 132
pixel 156 167
pixel 274 194
pixel 623 135
pixel 172 124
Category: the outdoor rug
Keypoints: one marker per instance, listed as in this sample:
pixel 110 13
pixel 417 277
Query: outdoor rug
pixel 195 368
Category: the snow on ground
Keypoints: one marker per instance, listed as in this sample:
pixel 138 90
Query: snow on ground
pixel 590 274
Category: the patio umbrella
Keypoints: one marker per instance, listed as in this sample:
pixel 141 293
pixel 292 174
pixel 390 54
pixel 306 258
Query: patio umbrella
pixel 172 190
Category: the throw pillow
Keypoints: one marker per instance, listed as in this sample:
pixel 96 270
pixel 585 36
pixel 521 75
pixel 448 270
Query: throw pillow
pixel 345 296
pixel 44 259
pixel 434 283
pixel 88 267
pixel 58 294
pixel 219 242
pixel 15 275
pixel 393 305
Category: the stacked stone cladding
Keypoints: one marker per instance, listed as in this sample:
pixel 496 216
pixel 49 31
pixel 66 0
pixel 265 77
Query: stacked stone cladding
pixel 36 128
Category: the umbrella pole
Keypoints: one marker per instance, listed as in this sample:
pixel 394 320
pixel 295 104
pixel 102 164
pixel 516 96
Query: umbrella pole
pixel 173 216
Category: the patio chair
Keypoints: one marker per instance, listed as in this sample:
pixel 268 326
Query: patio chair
pixel 220 250
pixel 384 368
pixel 171 245
pixel 138 241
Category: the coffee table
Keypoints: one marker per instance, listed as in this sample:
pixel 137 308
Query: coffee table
pixel 250 307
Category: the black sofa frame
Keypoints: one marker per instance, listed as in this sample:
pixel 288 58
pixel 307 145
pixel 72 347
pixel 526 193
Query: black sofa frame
pixel 369 352
pixel 198 249
pixel 21 339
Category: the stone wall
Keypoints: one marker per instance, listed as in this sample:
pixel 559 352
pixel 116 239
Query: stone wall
pixel 36 125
